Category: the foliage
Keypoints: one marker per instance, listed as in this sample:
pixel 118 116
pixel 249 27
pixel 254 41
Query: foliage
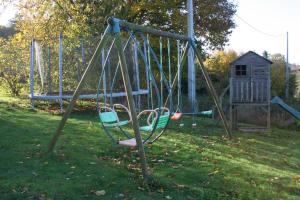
pixel 45 20
pixel 278 77
pixel 187 163
pixel 6 32
pixel 218 65
pixel 266 54
pixel 13 61
pixel 213 19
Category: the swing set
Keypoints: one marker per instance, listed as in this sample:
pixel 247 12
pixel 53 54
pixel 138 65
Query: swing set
pixel 159 112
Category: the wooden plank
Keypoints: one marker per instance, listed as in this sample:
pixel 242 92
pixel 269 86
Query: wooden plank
pixel 247 91
pixel 262 91
pixel 242 90
pixel 230 91
pixel 237 94
pixel 256 92
pixel 135 123
pixel 251 94
pixel 138 28
pixel 211 89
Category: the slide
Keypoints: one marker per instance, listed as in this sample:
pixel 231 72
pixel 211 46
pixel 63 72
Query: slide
pixel 289 109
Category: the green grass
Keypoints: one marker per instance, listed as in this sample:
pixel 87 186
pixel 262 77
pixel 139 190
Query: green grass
pixel 186 163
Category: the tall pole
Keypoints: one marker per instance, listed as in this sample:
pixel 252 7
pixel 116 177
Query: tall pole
pixel 31 75
pixel 287 67
pixel 60 71
pixel 191 64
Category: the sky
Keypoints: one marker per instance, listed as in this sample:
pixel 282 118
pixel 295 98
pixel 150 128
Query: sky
pixel 261 25
pixel 6 14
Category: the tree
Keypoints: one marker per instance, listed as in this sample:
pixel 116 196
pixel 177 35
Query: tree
pixel 265 54
pixel 6 32
pixel 213 19
pixel 278 76
pixel 13 61
pixel 218 65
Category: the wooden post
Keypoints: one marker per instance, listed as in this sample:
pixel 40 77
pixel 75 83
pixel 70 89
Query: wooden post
pixel 211 89
pixel 131 104
pixel 76 94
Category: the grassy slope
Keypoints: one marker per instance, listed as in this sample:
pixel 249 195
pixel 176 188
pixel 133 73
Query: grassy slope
pixel 187 163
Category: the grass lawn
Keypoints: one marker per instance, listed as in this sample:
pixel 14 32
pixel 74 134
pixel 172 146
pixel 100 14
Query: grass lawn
pixel 186 163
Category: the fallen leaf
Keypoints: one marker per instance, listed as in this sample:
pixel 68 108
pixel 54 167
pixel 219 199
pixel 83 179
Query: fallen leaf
pixel 140 188
pixel 100 193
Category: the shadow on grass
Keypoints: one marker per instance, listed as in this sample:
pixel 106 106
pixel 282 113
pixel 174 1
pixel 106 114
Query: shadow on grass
pixel 187 163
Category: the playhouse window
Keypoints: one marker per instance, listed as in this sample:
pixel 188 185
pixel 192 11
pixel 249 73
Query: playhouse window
pixel 240 70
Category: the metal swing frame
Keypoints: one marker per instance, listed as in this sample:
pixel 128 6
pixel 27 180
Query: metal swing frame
pixel 115 122
pixel 113 30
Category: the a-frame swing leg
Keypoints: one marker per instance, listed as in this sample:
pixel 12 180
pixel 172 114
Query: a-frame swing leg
pixel 211 89
pixel 131 105
pixel 95 58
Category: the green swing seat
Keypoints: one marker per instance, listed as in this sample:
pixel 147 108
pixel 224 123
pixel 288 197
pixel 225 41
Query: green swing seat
pixel 208 113
pixel 162 123
pixel 110 119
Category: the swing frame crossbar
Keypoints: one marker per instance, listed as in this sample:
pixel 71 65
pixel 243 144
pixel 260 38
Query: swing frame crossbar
pixel 87 96
pixel 114 30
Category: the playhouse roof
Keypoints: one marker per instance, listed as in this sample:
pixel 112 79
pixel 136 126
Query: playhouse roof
pixel 248 54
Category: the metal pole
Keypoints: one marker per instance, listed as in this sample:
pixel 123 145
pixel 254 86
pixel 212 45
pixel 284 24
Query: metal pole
pixel 179 76
pixel 147 74
pixel 149 62
pixel 104 78
pixel 31 75
pixel 287 67
pixel 161 72
pixel 60 71
pixel 170 75
pixel 191 56
pixel 181 61
pixel 83 54
pixel 136 62
pixel 49 71
pixel 95 58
